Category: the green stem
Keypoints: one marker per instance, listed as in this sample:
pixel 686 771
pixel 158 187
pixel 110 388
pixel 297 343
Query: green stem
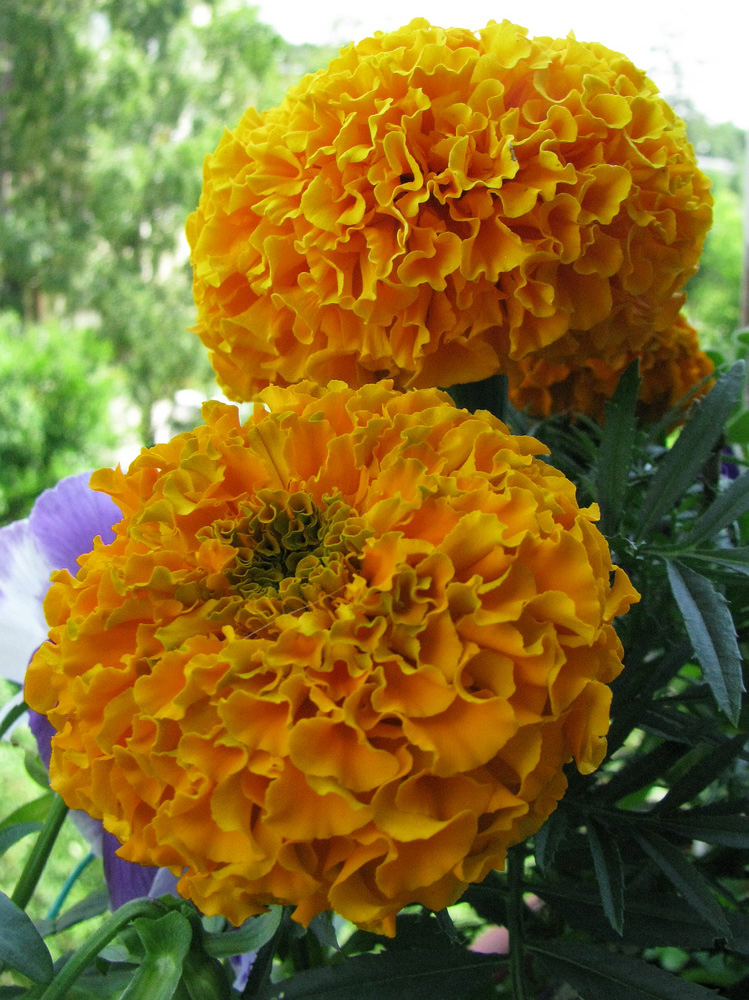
pixel 515 861
pixel 32 870
pixel 81 959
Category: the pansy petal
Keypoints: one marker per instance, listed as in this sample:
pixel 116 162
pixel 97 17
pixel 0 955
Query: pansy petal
pixel 24 579
pixel 62 526
pixel 125 880
pixel 67 518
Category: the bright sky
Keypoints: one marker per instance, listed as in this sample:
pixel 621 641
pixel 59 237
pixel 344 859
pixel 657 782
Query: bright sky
pixel 707 41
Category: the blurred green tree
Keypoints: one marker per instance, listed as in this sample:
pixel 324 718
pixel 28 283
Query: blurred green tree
pixel 57 387
pixel 107 109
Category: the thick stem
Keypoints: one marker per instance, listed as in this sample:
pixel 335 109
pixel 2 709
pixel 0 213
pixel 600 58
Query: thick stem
pixel 32 870
pixel 515 861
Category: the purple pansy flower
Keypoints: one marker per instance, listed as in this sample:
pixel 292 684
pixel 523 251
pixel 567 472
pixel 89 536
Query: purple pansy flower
pixel 62 526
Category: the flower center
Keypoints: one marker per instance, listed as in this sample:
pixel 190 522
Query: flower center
pixel 292 552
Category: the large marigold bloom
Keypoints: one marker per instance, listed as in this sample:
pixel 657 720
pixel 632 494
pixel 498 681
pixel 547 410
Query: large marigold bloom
pixel 334 657
pixel 438 205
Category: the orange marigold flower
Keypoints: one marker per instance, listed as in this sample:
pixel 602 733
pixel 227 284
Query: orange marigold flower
pixel 671 364
pixel 336 656
pixel 438 205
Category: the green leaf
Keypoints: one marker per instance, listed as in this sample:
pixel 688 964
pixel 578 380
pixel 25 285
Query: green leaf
pixel 597 972
pixel 36 770
pixel 617 441
pixel 21 945
pixel 448 927
pixel 668 723
pixel 712 633
pixel 32 812
pixel 724 510
pixel 11 716
pixel 323 928
pixel 251 936
pixel 12 834
pixel 416 975
pixel 166 942
pixel 546 842
pixel 731 560
pixel 650 919
pixel 693 447
pixel 607 861
pixel 728 831
pixel 703 772
pixel 684 876
pixel 641 771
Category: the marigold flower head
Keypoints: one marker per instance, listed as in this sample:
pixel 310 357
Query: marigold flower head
pixel 335 657
pixel 671 365
pixel 438 205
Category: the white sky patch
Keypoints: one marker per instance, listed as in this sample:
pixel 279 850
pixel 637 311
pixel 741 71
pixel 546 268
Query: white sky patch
pixel 690 50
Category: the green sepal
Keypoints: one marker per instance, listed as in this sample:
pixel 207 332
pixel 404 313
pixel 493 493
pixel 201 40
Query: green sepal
pixel 166 941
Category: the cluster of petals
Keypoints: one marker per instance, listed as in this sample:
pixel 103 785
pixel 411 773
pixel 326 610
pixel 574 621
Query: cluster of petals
pixel 672 366
pixel 336 656
pixel 440 205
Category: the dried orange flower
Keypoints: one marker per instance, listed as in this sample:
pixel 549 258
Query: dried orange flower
pixel 438 205
pixel 335 657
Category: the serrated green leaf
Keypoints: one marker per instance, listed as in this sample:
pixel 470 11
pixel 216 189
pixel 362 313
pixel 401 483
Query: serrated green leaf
pixel 727 831
pixel 712 633
pixel 693 447
pixel 729 560
pixel 727 507
pixel 641 771
pixel 684 876
pixel 617 441
pixel 546 842
pixel 416 975
pixel 607 862
pixel 671 724
pixel 12 834
pixel 651 919
pixel 597 972
pixel 251 936
pixel 21 945
pixel 704 771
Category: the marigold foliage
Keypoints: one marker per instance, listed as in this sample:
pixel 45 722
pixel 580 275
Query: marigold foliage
pixel 336 656
pixel 440 205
